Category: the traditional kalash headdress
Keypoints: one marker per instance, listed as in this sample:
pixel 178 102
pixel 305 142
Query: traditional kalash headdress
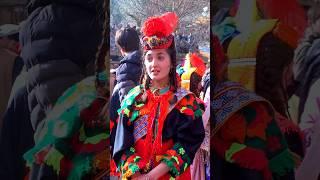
pixel 242 49
pixel 192 64
pixel 158 34
pixel 157 31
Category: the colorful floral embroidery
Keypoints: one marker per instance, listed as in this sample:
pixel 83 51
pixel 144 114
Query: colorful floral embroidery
pixel 181 151
pixel 176 159
pixel 189 106
pixel 130 163
pixel 129 101
pixel 134 109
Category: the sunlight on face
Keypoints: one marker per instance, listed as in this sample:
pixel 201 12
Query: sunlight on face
pixel 157 64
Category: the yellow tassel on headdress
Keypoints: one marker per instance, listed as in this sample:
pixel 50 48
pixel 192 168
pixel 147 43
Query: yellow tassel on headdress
pixel 242 49
pixel 193 63
pixel 188 70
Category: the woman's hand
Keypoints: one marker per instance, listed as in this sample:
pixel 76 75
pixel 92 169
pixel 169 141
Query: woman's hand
pixel 154 174
pixel 158 171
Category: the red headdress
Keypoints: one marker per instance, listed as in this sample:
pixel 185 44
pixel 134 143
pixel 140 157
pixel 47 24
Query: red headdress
pixel 193 64
pixel 289 12
pixel 158 31
pixel 198 63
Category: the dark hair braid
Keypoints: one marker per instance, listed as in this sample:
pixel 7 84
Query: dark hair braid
pixel 96 115
pixel 103 51
pixel 195 80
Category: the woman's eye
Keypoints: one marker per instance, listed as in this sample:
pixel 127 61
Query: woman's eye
pixel 149 59
pixel 160 57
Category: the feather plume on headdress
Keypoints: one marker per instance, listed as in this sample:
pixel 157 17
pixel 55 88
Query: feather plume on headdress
pixel 158 31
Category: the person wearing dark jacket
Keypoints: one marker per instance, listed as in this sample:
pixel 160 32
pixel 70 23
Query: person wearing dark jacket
pixel 59 41
pixel 16 135
pixel 9 53
pixel 129 71
pixel 127 74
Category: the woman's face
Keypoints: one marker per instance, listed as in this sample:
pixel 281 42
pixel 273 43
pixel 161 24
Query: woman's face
pixel 157 63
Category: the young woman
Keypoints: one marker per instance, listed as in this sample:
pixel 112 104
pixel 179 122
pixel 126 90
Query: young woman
pixel 160 125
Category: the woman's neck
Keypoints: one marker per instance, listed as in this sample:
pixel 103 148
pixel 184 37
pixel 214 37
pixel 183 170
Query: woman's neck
pixel 160 84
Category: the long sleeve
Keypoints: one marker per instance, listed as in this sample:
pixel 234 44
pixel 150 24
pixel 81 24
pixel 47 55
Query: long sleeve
pixel 188 130
pixel 123 138
pixel 127 160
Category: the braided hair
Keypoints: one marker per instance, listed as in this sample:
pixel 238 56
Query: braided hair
pixel 103 52
pixel 96 115
pixel 195 80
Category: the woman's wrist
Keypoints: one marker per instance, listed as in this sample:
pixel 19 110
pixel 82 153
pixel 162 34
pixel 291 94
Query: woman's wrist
pixel 147 177
pixel 158 171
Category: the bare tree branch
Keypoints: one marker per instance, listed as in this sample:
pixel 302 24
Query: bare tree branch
pixel 189 12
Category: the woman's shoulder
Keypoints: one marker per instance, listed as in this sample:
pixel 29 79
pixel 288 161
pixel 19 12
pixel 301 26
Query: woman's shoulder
pixel 258 108
pixel 130 98
pixel 187 103
pixel 134 92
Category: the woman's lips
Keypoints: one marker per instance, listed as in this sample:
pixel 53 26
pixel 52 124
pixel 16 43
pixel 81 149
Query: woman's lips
pixel 155 71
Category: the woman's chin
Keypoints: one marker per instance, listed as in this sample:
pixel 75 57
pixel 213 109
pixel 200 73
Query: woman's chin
pixel 155 78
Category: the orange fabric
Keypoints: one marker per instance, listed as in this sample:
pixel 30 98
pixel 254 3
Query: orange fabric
pixel 260 123
pixel 234 129
pixel 111 124
pixel 289 12
pixel 149 149
pixel 287 34
pixel 113 169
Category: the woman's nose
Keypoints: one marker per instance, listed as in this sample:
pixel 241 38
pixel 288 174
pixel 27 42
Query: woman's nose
pixel 154 62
